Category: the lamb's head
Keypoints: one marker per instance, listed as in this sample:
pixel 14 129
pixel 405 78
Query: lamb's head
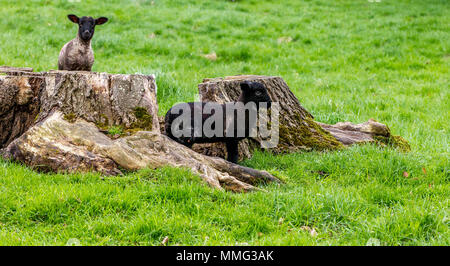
pixel 86 25
pixel 254 92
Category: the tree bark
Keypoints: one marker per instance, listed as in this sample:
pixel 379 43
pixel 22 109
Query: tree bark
pixel 19 105
pixel 59 121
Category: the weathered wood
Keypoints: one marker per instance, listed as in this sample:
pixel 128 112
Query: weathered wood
pixel 297 128
pixel 56 144
pixel 8 69
pixel 105 99
pixel 58 120
pixel 19 105
pixel 368 132
pixel 349 133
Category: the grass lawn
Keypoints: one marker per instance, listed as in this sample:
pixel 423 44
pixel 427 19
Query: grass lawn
pixel 346 60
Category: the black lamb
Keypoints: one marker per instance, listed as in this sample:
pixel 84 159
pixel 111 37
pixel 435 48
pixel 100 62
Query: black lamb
pixel 251 92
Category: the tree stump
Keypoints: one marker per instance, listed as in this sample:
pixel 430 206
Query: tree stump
pixel 61 121
pixel 297 129
pixel 107 100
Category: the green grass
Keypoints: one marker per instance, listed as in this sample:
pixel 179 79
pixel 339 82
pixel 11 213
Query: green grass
pixel 346 61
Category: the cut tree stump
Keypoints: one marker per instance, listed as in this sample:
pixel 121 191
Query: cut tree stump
pixel 59 121
pixel 107 100
pixel 297 129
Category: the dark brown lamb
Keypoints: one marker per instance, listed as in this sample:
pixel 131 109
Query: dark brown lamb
pixel 252 92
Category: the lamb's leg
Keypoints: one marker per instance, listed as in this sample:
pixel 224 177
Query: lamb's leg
pixel 232 150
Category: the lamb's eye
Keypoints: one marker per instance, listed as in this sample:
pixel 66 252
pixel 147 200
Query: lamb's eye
pixel 258 93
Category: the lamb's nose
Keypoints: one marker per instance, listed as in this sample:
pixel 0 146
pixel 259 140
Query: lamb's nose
pixel 86 32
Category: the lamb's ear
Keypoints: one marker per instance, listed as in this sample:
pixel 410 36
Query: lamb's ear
pixel 245 86
pixel 101 20
pixel 73 18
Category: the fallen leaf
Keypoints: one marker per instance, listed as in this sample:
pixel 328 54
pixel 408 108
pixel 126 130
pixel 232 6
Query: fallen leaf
pixel 312 231
pixel 212 56
pixel 165 240
pixel 405 174
pixel 284 39
pixel 152 35
pixel 260 234
pixel 280 221
pixel 73 242
pixel 424 170
pixel 373 242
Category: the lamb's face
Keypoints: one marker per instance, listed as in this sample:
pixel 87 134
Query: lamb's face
pixel 86 28
pixel 86 25
pixel 255 92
